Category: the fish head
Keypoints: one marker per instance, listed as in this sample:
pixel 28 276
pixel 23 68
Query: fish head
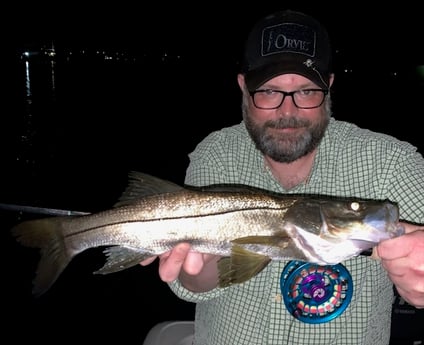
pixel 329 231
pixel 360 220
pixel 339 219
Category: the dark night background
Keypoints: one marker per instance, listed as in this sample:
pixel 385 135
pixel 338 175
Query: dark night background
pixel 174 82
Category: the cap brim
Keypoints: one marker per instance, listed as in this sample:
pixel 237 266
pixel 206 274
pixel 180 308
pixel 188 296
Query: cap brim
pixel 257 77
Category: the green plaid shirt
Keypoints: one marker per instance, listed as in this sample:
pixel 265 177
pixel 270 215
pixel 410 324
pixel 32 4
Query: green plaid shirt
pixel 350 162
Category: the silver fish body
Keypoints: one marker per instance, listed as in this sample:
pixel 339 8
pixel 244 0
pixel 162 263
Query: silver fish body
pixel 247 227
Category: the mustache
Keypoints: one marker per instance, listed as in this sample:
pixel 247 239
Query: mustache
pixel 288 122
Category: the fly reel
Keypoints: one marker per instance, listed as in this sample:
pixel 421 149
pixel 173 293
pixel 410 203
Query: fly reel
pixel 314 293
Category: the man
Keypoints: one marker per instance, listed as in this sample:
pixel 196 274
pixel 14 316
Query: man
pixel 289 143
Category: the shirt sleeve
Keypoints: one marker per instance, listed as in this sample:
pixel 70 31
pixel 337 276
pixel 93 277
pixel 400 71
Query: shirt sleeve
pixel 407 186
pixel 206 166
pixel 195 297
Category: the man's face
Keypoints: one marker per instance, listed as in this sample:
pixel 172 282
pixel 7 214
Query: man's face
pixel 287 132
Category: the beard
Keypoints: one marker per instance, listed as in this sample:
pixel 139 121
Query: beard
pixel 286 147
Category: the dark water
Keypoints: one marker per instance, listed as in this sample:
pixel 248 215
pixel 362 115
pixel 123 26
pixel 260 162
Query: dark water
pixel 75 131
pixel 71 131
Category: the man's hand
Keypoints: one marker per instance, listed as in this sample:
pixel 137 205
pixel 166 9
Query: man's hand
pixel 403 258
pixel 171 262
pixel 196 271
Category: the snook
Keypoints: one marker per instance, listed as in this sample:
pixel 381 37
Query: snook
pixel 246 226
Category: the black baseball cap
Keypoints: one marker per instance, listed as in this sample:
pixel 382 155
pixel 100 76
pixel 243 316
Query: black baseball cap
pixel 287 42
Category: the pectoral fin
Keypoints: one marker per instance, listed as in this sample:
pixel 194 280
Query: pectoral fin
pixel 278 240
pixel 120 258
pixel 240 266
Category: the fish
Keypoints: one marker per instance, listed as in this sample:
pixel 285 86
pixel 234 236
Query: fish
pixel 247 226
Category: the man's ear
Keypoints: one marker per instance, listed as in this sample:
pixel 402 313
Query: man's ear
pixel 241 82
pixel 331 79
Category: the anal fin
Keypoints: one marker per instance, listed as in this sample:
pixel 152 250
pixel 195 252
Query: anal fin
pixel 120 258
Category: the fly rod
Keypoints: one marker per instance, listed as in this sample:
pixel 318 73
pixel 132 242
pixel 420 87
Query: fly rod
pixel 40 210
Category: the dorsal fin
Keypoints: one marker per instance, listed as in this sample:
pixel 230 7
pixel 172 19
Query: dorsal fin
pixel 141 185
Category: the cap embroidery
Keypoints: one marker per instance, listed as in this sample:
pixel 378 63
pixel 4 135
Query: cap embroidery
pixel 308 63
pixel 288 38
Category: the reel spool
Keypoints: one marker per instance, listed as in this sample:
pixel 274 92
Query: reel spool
pixel 314 293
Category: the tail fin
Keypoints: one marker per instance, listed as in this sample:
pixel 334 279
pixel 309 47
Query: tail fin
pixel 45 234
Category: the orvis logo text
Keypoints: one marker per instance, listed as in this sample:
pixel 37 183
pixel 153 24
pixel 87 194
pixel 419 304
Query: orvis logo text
pixel 289 37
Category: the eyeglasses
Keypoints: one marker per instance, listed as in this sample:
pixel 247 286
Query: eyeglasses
pixel 303 99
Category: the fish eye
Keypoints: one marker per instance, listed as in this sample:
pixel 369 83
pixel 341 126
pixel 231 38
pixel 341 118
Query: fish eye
pixel 355 206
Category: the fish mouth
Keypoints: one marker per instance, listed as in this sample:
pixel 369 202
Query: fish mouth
pixel 384 223
pixel 377 234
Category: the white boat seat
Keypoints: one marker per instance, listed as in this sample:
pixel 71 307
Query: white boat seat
pixel 171 333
